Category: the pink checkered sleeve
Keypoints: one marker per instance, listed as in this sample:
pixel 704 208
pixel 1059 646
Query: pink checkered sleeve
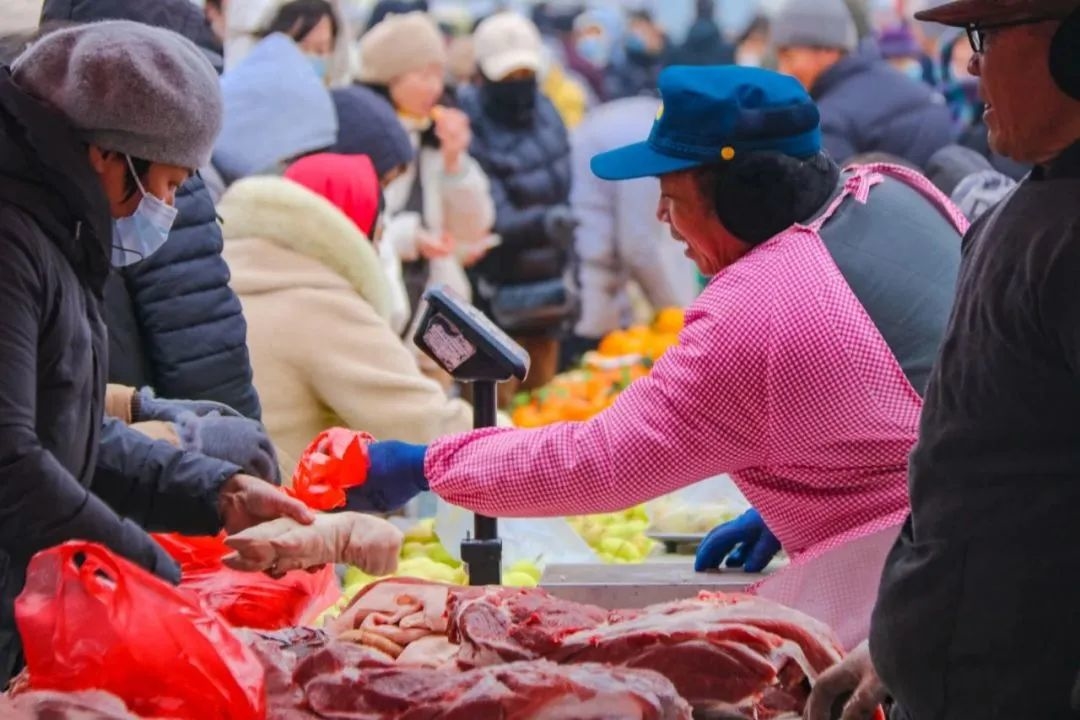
pixel 701 412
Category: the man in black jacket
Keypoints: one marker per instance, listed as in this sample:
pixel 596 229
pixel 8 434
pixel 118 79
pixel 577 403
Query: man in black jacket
pixel 174 323
pixel 97 133
pixel 521 143
pixel 977 616
pixel 866 105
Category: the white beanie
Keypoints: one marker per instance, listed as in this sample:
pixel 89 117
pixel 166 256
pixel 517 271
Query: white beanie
pixel 400 44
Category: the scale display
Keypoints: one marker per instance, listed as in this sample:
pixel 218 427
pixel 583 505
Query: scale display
pixel 465 343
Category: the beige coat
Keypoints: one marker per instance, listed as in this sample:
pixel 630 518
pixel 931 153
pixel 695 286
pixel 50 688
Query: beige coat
pixel 316 304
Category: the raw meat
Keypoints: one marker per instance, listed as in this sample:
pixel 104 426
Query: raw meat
pixel 536 690
pixel 279 653
pixel 53 705
pixel 733 655
pixel 390 614
pixel 496 625
pixel 431 651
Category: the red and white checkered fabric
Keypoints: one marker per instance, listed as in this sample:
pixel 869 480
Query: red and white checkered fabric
pixel 780 379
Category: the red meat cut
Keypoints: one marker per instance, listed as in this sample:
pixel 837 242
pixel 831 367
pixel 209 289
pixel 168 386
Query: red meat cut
pixel 56 705
pixel 537 690
pixel 731 655
pixel 496 625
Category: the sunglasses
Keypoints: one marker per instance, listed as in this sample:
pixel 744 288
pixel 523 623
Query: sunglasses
pixel 978 32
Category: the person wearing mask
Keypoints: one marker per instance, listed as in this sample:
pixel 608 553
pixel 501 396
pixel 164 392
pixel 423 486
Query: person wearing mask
pixel 620 239
pixel 276 110
pixel 753 46
pixel 866 105
pixel 301 250
pixel 798 373
pixel 593 45
pixel 440 210
pixel 320 27
pixel 368 125
pixel 971 622
pixel 900 49
pixel 174 323
pixel 521 143
pixel 645 52
pixel 77 110
pixel 313 26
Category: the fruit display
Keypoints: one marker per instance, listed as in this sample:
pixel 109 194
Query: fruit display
pixel 617 537
pixel 622 357
pixel 675 518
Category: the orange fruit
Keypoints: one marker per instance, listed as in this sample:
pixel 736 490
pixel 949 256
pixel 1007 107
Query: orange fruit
pixel 669 320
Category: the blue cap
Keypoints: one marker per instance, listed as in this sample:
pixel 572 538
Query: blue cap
pixel 712 114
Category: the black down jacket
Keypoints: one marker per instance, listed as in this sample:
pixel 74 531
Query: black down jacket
pixel 63 473
pixel 174 322
pixel 528 164
pixel 868 106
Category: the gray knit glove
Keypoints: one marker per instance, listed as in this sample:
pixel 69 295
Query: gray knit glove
pixel 237 440
pixel 144 406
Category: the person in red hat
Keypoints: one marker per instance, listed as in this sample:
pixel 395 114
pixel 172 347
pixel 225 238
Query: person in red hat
pixel 977 611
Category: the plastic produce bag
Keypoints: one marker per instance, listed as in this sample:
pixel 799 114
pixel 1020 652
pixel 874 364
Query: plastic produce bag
pixel 698 508
pixel 90 620
pixel 335 461
pixel 247 599
pixel 537 540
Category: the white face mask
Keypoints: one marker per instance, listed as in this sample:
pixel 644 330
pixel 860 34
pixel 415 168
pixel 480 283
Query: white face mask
pixel 142 233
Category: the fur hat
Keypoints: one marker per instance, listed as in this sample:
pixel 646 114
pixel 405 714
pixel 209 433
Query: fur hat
pixel 132 88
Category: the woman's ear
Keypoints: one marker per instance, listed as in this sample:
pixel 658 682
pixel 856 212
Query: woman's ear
pixel 98 158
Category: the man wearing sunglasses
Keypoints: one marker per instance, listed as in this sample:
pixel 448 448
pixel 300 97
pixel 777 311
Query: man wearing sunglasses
pixel 978 615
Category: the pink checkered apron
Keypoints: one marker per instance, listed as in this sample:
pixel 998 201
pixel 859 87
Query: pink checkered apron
pixel 781 380
pixel 836 565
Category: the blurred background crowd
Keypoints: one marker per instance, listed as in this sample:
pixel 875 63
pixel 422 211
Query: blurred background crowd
pixel 372 150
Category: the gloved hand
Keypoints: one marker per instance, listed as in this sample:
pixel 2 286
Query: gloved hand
pixel 237 440
pixel 559 225
pixel 745 542
pixel 144 406
pixel 850 690
pixel 395 476
pixel 281 545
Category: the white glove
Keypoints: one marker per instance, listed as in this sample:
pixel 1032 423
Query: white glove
pixel 281 545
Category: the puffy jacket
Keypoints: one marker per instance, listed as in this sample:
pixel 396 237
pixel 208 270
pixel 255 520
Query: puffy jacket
pixel 868 106
pixel 529 169
pixel 61 476
pixel 174 323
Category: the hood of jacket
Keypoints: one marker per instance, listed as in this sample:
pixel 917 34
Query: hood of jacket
pixel 180 16
pixel 276 109
pixel 293 218
pixel 45 172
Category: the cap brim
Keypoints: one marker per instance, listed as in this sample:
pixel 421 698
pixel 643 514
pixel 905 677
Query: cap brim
pixel 961 13
pixel 498 67
pixel 638 161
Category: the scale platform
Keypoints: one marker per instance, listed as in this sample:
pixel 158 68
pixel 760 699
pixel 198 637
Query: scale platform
pixel 634 586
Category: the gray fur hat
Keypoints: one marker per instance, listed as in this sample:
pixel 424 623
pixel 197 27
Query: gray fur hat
pixel 130 88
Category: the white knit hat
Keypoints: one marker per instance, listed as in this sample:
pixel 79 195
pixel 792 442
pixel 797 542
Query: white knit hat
pixel 400 44
pixel 506 42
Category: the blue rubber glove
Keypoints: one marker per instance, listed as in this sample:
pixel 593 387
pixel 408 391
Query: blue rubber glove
pixel 745 542
pixel 395 477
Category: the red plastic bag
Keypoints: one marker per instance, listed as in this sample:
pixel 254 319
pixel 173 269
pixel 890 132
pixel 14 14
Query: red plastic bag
pixel 90 620
pixel 335 461
pixel 249 600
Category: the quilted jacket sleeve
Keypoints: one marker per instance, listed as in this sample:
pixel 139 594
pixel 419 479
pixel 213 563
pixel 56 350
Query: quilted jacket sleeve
pixel 190 320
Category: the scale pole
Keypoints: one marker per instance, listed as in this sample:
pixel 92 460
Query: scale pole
pixel 483 552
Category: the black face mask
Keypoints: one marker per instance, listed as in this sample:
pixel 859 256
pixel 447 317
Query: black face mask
pixel 510 101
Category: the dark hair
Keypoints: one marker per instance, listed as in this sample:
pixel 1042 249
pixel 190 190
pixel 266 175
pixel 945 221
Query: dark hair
pixel 216 4
pixel 299 17
pixel 142 167
pixel 760 194
pixel 642 15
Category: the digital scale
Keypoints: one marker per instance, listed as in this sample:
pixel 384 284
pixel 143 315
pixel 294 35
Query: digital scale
pixel 467 344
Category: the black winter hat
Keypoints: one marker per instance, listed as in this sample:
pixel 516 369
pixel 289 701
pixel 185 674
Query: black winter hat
pixel 368 125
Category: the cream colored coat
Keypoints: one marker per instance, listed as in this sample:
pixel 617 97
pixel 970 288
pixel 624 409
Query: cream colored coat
pixel 316 303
